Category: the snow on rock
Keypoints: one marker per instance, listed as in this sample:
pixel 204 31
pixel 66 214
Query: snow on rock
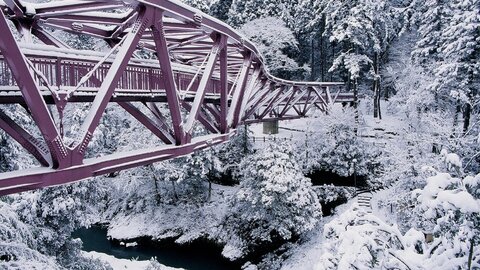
pixel 124 264
pixel 185 222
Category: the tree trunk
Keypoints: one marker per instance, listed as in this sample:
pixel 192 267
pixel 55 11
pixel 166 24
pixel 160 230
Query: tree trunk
pixel 209 190
pixel 470 255
pixel 458 109
pixel 466 117
pixel 376 89
pixel 157 193
pixel 355 106
pixel 323 57
pixel 245 140
pixel 312 60
pixel 333 57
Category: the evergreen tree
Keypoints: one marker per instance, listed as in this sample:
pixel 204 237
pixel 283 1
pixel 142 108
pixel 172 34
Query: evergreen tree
pixel 363 30
pixel 277 44
pixel 275 202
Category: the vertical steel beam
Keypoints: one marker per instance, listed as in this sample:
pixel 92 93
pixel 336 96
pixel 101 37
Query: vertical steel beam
pixel 234 112
pixel 219 43
pixel 224 89
pixel 31 94
pixel 163 55
pixel 110 81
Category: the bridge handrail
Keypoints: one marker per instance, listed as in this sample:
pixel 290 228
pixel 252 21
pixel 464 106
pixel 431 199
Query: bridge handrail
pixel 184 13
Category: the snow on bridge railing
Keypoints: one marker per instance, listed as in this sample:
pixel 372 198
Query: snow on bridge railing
pixel 224 73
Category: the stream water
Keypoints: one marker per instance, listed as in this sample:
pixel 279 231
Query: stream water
pixel 199 255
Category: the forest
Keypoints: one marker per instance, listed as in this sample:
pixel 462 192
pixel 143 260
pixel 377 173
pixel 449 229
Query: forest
pixel 412 140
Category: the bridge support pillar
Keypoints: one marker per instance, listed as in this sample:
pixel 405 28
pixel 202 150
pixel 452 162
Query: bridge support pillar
pixel 270 127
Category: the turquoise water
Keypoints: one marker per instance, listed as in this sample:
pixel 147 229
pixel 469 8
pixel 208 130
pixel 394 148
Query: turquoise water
pixel 199 255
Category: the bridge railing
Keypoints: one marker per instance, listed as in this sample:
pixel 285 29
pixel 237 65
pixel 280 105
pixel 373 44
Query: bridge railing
pixel 66 72
pixel 204 72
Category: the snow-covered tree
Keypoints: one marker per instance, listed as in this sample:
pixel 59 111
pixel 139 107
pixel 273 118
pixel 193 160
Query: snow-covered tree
pixel 232 152
pixel 360 240
pixel 334 147
pixel 363 30
pixel 275 202
pixel 203 5
pixel 449 208
pixel 276 43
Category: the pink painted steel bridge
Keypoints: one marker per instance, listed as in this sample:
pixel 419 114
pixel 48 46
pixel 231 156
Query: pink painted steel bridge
pixel 199 68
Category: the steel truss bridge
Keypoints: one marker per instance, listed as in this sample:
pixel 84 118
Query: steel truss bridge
pixel 200 68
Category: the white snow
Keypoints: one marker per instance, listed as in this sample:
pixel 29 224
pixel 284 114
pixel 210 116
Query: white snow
pixel 122 264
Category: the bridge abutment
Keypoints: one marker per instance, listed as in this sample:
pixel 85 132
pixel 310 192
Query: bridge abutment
pixel 270 127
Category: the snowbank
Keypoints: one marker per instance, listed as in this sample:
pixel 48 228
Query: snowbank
pixel 123 264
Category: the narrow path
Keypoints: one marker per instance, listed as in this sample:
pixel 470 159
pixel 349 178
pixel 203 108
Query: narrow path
pixel 364 197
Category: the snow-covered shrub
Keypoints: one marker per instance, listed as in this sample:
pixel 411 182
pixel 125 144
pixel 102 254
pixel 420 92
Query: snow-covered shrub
pixel 449 208
pixel 359 240
pixel 335 147
pixel 331 193
pixel 12 155
pixel 275 202
pixel 54 213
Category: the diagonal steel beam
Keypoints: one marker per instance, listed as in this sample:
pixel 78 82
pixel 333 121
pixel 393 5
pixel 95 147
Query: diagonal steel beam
pixel 294 102
pixel 202 118
pixel 48 38
pixel 279 99
pixel 312 103
pixel 202 86
pixel 31 94
pixel 110 81
pixel 32 145
pixel 213 111
pixel 267 95
pixel 306 100
pixel 272 102
pixel 147 122
pixel 159 117
pixel 320 96
pixel 248 91
pixel 16 6
pixel 259 94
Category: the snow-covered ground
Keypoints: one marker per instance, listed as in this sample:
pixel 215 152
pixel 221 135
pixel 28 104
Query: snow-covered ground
pixel 124 264
pixel 186 221
pixel 306 255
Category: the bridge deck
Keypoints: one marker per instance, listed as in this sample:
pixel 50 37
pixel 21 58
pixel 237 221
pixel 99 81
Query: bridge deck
pixel 200 70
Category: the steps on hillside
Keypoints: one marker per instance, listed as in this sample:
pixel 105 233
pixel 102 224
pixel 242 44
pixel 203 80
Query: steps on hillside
pixel 364 196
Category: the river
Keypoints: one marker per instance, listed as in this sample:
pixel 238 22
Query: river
pixel 199 255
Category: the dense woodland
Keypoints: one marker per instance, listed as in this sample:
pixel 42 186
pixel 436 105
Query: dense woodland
pixel 416 68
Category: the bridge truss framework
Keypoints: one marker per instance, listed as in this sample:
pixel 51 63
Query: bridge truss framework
pixel 203 70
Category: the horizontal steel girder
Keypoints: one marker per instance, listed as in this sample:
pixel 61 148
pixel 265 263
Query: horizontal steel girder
pixel 199 71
